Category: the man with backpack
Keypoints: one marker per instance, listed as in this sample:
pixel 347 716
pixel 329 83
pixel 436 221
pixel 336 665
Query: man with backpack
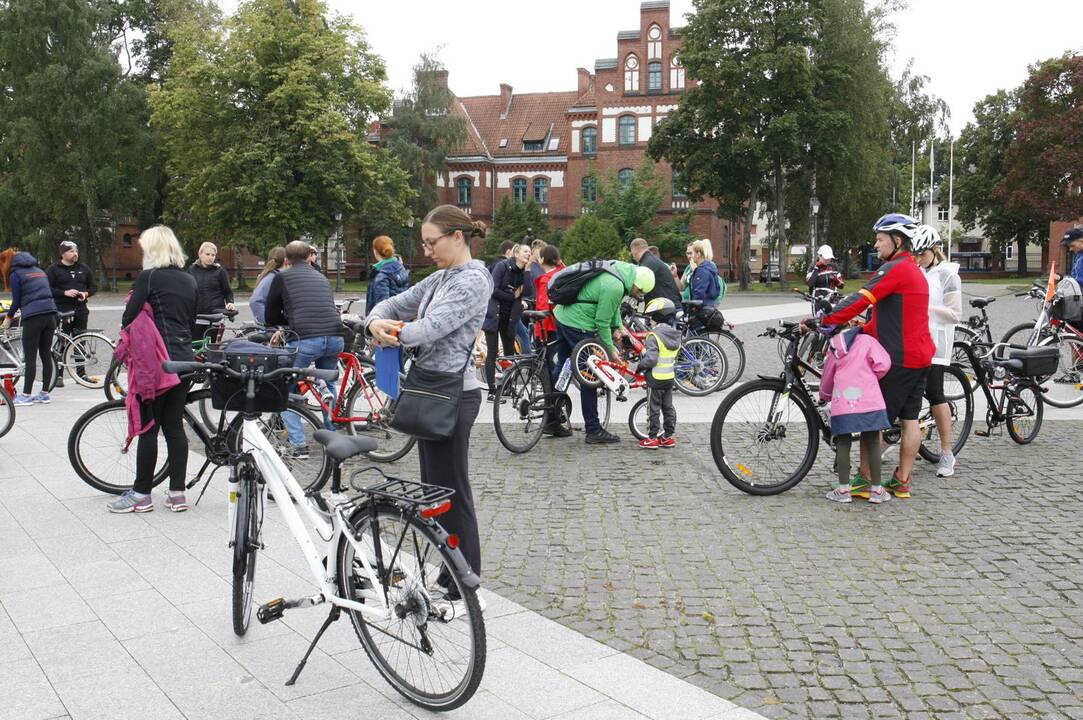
pixel 586 298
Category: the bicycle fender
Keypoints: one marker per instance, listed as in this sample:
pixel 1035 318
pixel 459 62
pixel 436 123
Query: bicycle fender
pixel 462 568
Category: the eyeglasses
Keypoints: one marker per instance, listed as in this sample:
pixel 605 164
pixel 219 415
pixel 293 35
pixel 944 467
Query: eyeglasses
pixel 431 244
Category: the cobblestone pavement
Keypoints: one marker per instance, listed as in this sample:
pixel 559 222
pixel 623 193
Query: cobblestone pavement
pixel 962 601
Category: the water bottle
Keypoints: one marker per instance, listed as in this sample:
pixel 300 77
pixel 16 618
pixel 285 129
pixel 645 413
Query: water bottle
pixel 565 376
pixel 232 487
pixel 326 395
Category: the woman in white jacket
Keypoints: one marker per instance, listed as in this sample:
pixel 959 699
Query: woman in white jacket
pixel 945 310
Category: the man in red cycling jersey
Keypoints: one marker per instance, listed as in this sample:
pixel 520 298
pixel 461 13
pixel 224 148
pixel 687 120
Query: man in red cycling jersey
pixel 899 296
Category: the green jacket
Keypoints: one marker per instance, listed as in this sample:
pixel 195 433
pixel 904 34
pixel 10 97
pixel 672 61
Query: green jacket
pixel 597 309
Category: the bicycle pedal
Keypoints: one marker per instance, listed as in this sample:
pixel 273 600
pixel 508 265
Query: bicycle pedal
pixel 271 611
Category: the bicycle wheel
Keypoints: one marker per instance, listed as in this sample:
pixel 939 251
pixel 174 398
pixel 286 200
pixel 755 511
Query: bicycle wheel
pixel 523 392
pixel 99 453
pixel 116 380
pixel 247 525
pixel 699 368
pixel 433 660
pixel 56 352
pixel 734 350
pixel 637 420
pixel 1025 413
pixel 7 412
pixel 763 441
pixel 312 472
pixel 1020 334
pixel 961 359
pixel 1064 388
pixel 583 376
pixel 373 408
pixel 960 405
pixel 87 358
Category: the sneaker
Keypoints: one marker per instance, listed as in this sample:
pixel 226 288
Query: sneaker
pixel 451 605
pixel 130 501
pixel 60 382
pixel 898 488
pixel 667 441
pixel 299 452
pixel 602 437
pixel 557 431
pixel 649 443
pixel 175 501
pixel 879 495
pixel 946 466
pixel 43 398
pixel 21 399
pixel 859 486
pixel 839 495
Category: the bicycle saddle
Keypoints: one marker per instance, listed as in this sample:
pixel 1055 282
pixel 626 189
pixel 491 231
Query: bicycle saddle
pixel 65 315
pixel 982 302
pixel 692 303
pixel 355 324
pixel 343 447
pixel 210 317
pixel 536 314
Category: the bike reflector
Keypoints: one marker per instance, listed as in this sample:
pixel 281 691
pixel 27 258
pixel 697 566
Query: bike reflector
pixel 453 541
pixel 434 510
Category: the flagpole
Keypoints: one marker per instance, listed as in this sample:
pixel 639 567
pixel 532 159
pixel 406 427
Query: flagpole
pixel 932 161
pixel 913 170
pixel 951 189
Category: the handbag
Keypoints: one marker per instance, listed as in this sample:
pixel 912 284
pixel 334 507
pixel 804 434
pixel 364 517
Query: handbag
pixel 428 404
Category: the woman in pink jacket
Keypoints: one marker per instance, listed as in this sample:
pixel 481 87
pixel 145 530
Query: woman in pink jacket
pixel 851 383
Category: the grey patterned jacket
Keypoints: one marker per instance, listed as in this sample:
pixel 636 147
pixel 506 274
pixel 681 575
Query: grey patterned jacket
pixel 452 305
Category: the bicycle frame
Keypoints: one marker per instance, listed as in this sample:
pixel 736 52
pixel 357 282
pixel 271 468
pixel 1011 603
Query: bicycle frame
pixel 996 403
pixel 352 370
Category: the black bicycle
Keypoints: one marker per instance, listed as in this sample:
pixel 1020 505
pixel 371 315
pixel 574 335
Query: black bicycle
pixel 1010 384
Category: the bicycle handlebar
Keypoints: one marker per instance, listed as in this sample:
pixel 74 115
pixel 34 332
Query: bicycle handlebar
pixel 181 366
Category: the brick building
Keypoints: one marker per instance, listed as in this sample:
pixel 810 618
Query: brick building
pixel 543 146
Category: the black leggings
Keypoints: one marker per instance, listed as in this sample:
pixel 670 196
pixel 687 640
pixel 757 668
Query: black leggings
pixel 38 331
pixel 168 414
pixel 507 336
pixel 446 463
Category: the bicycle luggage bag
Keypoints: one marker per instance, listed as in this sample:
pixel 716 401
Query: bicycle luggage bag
pixel 564 287
pixel 240 355
pixel 1037 361
pixel 1068 301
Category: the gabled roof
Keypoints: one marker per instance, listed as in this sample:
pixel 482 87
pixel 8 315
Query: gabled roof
pixel 531 114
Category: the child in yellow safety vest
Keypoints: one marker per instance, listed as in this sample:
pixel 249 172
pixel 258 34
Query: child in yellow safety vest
pixel 657 364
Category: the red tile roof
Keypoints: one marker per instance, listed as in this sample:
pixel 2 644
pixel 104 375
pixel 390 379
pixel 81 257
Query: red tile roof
pixel 529 114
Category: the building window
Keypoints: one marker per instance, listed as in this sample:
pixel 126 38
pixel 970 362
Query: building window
pixel 127 240
pixel 678 187
pixel 676 73
pixel 942 213
pixel 464 185
pixel 518 190
pixel 654 42
pixel 654 77
pixel 541 191
pixel 1009 252
pixel 625 176
pixel 589 190
pixel 627 130
pixel 590 141
pixel 753 252
pixel 534 146
pixel 631 74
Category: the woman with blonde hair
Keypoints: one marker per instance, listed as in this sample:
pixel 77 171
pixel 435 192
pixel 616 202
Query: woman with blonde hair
pixel 170 292
pixel 705 283
pixel 212 283
pixel 258 302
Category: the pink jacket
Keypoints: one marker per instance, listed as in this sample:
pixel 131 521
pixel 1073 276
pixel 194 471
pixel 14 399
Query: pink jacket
pixel 851 382
pixel 142 349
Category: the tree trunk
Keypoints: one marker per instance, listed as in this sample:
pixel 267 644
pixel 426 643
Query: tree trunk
pixel 1021 254
pixel 780 223
pixel 746 243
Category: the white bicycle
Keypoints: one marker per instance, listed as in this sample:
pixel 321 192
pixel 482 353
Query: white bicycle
pixel 380 556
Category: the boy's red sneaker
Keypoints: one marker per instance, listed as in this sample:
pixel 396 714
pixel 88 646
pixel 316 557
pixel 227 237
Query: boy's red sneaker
pixel 649 443
pixel 667 442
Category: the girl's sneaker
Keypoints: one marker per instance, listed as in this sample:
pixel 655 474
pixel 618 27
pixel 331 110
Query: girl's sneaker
pixel 130 501
pixel 43 398
pixel 839 495
pixel 878 494
pixel 859 486
pixel 175 501
pixel 21 399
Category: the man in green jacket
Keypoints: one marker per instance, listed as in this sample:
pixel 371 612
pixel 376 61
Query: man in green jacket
pixel 596 313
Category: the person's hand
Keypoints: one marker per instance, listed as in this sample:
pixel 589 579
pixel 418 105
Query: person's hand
pixel 526 305
pixel 808 325
pixel 83 296
pixel 385 332
pixel 518 291
pixel 230 306
pixel 7 322
pixel 673 271
pixel 71 293
pixel 276 339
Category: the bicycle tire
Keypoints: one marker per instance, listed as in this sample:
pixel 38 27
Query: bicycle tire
pixel 699 350
pixel 520 392
pixel 960 429
pixel 961 359
pixel 582 375
pixel 734 470
pixel 1034 405
pixel 312 473
pixel 395 444
pixel 88 348
pixel 1069 373
pixel 7 412
pixel 97 440
pixel 116 380
pixel 247 524
pixel 1020 334
pixel 57 356
pixel 637 420
pixel 733 349
pixel 411 599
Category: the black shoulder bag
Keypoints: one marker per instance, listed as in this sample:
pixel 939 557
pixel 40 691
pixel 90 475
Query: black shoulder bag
pixel 428 403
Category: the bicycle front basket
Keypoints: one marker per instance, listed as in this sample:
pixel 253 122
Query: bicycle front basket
pixel 244 356
pixel 1037 361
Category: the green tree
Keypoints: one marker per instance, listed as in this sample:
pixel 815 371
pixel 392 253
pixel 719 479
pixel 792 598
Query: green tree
pixel 630 206
pixel 73 148
pixel 263 122
pixel 919 121
pixel 512 221
pixel 590 237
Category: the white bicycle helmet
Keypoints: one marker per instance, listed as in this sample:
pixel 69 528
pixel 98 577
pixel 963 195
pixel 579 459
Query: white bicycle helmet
pixel 896 222
pixel 926 238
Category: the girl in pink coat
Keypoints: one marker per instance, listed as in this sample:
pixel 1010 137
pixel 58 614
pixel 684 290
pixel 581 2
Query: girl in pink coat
pixel 851 383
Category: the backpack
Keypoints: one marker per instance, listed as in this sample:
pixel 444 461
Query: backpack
pixel 1068 301
pixel 564 287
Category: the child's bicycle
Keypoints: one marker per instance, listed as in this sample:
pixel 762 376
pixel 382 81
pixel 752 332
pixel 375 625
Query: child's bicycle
pixel 11 369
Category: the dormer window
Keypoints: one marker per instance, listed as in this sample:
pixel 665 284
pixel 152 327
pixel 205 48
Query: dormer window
pixel 536 137
pixel 631 74
pixel 654 43
pixel 676 73
pixel 534 146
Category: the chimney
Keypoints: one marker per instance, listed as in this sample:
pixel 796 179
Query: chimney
pixel 584 80
pixel 440 78
pixel 505 99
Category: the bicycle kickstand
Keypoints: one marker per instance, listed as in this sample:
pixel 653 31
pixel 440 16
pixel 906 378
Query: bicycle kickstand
pixel 198 477
pixel 331 617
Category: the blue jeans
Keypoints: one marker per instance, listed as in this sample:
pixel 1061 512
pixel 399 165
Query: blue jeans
pixel 323 351
pixel 567 339
pixel 523 334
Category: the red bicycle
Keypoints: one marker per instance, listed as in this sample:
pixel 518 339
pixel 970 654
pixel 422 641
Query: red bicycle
pixel 11 369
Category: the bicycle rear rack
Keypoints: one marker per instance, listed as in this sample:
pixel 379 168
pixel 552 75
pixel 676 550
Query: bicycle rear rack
pixel 403 491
